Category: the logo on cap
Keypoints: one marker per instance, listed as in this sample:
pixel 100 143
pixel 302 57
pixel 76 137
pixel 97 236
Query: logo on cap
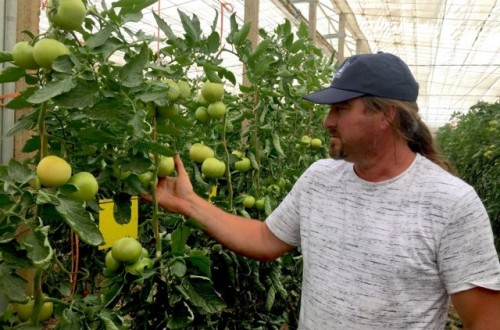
pixel 342 69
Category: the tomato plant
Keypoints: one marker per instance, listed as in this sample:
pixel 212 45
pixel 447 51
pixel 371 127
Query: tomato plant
pixel 105 108
pixel 471 142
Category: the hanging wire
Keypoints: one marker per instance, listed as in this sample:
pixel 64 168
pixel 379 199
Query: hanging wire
pixel 229 7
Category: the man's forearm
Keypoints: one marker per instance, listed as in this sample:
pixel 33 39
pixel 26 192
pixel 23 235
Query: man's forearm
pixel 248 237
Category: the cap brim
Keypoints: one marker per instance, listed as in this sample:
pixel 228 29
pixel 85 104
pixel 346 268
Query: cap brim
pixel 331 95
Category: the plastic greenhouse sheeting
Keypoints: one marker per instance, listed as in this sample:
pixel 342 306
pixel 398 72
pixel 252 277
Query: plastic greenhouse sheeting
pixel 451 46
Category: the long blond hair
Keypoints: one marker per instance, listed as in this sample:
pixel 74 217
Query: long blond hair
pixel 409 125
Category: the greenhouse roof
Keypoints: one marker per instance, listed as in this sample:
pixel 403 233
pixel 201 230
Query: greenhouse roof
pixel 451 46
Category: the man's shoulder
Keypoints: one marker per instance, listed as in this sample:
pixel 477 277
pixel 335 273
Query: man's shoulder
pixel 437 178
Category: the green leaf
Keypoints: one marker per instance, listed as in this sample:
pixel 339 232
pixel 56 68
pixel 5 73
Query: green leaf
pixel 80 221
pixel 51 90
pixel 181 317
pixel 63 64
pixel 242 34
pixel 70 320
pixel 260 49
pixel 164 27
pixel 38 246
pixel 192 27
pixel 83 95
pixel 277 145
pixel 179 238
pixel 199 259
pixel 201 293
pixel 213 42
pixel 229 76
pixel 18 172
pixel 132 73
pixel 132 6
pixel 11 74
pixel 20 101
pixel 111 320
pixel 100 38
pixel 122 210
pixel 11 284
pixel 271 297
pixel 112 289
pixel 6 57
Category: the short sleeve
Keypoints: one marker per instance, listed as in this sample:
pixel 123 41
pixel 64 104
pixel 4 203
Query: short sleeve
pixel 284 221
pixel 467 256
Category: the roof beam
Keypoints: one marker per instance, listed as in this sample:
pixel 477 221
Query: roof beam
pixel 362 45
pixel 292 13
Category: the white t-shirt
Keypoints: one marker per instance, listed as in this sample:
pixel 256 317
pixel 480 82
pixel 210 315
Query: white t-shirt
pixel 385 255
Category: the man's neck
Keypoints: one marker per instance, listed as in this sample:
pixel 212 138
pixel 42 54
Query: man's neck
pixel 386 165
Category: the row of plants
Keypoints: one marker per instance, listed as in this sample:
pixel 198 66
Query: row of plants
pixel 471 141
pixel 109 112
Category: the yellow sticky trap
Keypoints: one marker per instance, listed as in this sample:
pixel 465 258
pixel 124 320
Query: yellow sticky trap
pixel 110 229
pixel 212 193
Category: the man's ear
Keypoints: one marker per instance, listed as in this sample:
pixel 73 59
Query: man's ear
pixel 389 116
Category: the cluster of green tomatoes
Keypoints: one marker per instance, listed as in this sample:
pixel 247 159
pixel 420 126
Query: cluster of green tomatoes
pixel 127 253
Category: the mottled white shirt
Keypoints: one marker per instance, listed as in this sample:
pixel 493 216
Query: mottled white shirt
pixel 385 255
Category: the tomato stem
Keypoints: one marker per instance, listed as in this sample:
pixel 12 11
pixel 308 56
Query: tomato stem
pixel 41 130
pixel 38 297
pixel 228 170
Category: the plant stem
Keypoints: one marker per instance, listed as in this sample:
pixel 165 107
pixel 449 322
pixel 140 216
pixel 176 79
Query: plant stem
pixel 41 130
pixel 38 296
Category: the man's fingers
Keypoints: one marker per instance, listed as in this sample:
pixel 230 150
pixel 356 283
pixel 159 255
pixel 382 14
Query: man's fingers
pixel 179 166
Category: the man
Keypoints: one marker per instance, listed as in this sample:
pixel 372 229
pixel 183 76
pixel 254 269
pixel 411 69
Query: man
pixel 386 232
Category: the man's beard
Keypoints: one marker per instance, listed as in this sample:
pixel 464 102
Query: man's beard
pixel 340 154
pixel 337 153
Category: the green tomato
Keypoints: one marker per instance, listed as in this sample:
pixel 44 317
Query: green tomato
pixel 212 92
pixel 216 109
pixel 47 50
pixel 46 311
pixel 305 141
pixel 111 263
pixel 201 115
pixel 145 178
pixel 168 112
pixel 24 311
pixel 213 168
pixel 249 201
pixel 23 55
pixel 199 152
pixel 66 14
pixel 173 90
pixel 243 165
pixel 139 267
pixel 184 89
pixel 126 249
pixel 53 171
pixel 144 253
pixel 87 186
pixel 316 143
pixel 237 153
pixel 260 203
pixel 166 167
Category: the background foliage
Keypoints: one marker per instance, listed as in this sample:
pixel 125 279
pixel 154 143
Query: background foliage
pixel 471 141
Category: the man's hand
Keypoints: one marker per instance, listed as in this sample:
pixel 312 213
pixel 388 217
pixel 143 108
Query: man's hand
pixel 174 193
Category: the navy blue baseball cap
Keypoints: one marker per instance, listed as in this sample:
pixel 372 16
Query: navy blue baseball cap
pixel 381 74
